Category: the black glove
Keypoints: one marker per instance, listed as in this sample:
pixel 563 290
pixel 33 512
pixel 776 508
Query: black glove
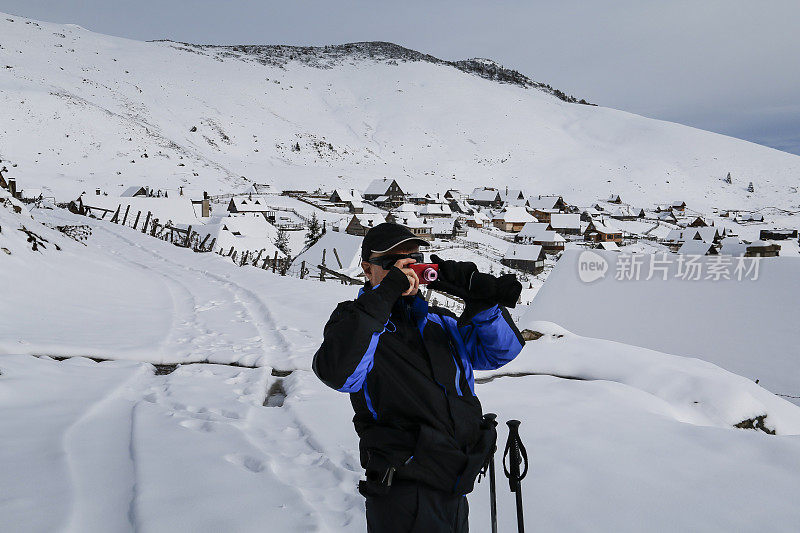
pixel 478 290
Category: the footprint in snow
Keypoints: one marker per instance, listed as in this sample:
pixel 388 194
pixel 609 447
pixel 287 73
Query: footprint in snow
pixel 247 462
pixel 198 425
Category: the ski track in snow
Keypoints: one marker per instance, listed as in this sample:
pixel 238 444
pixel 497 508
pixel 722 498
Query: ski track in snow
pixel 275 349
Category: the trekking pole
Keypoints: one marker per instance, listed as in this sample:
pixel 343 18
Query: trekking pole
pixel 518 457
pixel 491 418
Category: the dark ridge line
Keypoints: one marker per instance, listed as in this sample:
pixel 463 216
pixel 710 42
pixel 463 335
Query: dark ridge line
pixel 325 56
pixel 523 374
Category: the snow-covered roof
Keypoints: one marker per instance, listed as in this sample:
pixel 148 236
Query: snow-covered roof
pixel 532 229
pixel 378 186
pixel 565 221
pixel 609 245
pixel 177 209
pixel 511 194
pixel 441 224
pixel 603 226
pixel 406 208
pixel 695 248
pixel 484 195
pixel 732 246
pixel 523 252
pixel 435 209
pixel 348 195
pixel 542 202
pixel 253 204
pixel 369 219
pixel 410 220
pixel 549 236
pixel 134 191
pixel 515 214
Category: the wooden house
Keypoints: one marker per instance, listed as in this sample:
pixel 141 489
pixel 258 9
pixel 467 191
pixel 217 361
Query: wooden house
pixel 777 234
pixel 566 223
pixel 527 258
pixel 343 196
pixel 387 188
pixel 513 219
pixel 486 197
pixel 418 227
pixel 530 230
pixel 361 223
pixel 600 231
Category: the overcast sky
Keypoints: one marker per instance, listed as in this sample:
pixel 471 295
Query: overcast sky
pixel 730 66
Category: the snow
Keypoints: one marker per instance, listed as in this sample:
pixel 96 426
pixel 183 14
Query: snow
pixel 99 446
pixel 628 399
pixel 360 119
pixel 745 326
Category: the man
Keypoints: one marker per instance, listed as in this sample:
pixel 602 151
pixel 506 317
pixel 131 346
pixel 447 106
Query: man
pixel 408 368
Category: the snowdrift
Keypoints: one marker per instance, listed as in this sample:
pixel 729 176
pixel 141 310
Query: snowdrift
pixel 748 327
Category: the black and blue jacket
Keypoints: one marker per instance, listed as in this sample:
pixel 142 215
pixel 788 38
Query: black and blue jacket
pixel 409 368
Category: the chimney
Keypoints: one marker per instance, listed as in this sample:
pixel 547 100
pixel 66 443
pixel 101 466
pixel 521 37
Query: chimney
pixel 97 192
pixel 12 187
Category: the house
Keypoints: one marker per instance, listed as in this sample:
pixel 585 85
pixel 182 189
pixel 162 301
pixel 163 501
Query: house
pixel 243 233
pixel 626 212
pixel 550 240
pixel 708 234
pixel 759 248
pixel 362 222
pixel 678 205
pixel 459 206
pixel 527 258
pixel 385 187
pixel 566 223
pixel 249 204
pixel 478 220
pixel 530 230
pixel 486 197
pixel 666 216
pixel 453 194
pixel 697 248
pixel 777 234
pixel 749 217
pixel 545 201
pixel 175 209
pixel 697 222
pixel 418 227
pixel 343 196
pixel 512 196
pixel 435 210
pixel 136 191
pixel 544 207
pixel 513 219
pixel 445 228
pixel 600 231
pixel 609 246
pixel 614 199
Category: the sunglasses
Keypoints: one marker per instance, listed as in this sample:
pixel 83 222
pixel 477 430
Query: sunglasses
pixel 387 261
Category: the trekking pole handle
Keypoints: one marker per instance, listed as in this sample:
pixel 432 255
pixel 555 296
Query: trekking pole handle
pixel 518 456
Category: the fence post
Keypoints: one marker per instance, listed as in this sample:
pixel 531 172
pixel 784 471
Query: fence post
pixel 336 255
pixel 302 269
pixel 125 218
pixel 146 222
pixel 115 218
pixel 264 264
pixel 275 261
pixel 234 257
pixel 188 235
pixel 211 246
pixel 259 257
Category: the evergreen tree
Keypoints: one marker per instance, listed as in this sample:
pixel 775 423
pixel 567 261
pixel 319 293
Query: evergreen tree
pixel 282 241
pixel 314 230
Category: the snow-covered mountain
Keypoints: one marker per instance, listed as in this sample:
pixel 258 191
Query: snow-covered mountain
pixel 80 110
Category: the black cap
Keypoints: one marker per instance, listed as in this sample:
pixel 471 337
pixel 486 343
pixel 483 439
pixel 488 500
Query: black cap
pixel 386 236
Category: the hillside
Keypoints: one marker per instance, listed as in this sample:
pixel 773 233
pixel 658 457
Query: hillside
pixel 80 110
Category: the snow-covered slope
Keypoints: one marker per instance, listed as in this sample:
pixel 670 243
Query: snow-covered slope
pixel 80 110
pixel 747 325
pixel 634 439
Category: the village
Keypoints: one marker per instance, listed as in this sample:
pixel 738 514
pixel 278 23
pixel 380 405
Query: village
pixel 317 234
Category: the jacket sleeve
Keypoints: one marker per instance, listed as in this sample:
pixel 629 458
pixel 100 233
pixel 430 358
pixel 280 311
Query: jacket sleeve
pixel 351 335
pixel 491 338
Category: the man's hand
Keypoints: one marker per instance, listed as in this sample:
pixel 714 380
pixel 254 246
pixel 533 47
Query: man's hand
pixel 413 279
